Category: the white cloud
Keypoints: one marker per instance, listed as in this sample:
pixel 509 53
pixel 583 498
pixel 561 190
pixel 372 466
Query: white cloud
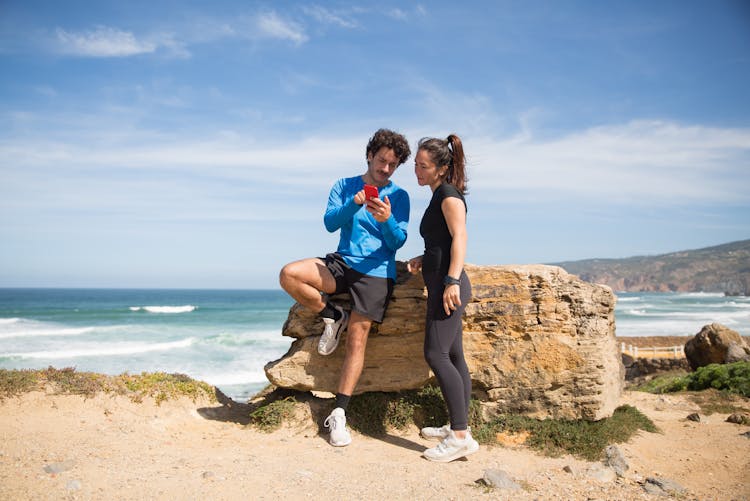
pixel 272 26
pixel 327 16
pixel 643 161
pixel 397 14
pixel 103 41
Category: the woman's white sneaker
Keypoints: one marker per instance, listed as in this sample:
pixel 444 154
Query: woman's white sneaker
pixel 438 433
pixel 452 448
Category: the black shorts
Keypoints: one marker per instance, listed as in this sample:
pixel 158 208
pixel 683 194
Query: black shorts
pixel 370 295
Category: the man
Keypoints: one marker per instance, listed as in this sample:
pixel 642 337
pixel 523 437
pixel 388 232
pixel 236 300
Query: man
pixel 371 229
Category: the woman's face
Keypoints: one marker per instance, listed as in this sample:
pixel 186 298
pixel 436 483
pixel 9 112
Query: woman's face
pixel 428 174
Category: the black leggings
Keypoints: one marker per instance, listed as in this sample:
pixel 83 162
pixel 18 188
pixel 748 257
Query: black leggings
pixel 444 351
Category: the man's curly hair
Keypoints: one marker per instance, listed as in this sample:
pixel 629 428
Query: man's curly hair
pixel 389 139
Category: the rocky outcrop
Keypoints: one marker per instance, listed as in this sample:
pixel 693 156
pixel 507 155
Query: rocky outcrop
pixel 716 344
pixel 637 369
pixel 722 268
pixel 537 340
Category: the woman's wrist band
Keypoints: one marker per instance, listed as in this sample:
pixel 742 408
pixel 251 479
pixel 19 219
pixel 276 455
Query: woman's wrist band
pixel 449 280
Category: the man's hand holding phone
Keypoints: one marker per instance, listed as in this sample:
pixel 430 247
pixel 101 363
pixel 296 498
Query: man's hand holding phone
pixel 365 194
pixel 371 191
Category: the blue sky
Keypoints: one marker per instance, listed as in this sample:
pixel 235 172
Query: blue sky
pixel 193 144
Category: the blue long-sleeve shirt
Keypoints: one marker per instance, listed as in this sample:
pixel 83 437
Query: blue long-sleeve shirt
pixel 365 244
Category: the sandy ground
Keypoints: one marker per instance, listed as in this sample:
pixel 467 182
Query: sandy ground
pixel 111 448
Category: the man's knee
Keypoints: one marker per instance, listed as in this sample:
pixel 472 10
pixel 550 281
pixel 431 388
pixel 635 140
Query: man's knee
pixel 356 336
pixel 286 275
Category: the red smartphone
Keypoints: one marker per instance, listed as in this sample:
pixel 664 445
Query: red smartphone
pixel 371 191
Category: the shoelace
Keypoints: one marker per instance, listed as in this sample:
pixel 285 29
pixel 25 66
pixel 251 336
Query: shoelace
pixel 331 422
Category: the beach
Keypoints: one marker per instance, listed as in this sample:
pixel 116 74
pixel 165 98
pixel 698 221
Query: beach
pixel 109 447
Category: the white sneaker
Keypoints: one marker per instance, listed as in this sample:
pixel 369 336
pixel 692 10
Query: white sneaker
pixel 332 332
pixel 452 448
pixel 336 424
pixel 432 433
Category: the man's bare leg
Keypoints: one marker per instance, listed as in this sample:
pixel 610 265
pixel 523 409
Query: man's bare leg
pixel 354 360
pixel 304 280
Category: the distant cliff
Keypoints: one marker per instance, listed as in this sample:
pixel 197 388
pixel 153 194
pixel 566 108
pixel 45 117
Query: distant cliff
pixel 723 268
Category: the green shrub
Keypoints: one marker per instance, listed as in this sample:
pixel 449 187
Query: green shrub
pixel 733 378
pixel 15 382
pixel 586 439
pixel 270 417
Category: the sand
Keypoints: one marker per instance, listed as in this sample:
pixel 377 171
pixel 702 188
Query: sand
pixel 108 447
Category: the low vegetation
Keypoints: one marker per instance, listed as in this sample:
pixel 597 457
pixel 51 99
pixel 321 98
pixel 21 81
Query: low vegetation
pixel 715 388
pixel 270 417
pixel 157 385
pixel 375 413
pixel 729 378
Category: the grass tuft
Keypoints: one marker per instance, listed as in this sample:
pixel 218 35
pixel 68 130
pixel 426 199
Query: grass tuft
pixel 270 417
pixel 16 382
pixel 554 437
pixel 377 412
pixel 68 381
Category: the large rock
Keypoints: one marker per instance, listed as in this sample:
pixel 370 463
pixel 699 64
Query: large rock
pixel 538 341
pixel 715 344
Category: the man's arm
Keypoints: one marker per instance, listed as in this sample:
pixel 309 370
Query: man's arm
pixel 339 210
pixel 394 228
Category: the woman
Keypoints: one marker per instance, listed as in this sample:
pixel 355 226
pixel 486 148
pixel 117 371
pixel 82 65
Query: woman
pixel 440 164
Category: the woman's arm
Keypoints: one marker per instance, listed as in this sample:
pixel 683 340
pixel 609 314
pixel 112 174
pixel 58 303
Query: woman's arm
pixel 454 212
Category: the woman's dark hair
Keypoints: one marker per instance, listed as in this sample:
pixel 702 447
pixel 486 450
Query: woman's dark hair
pixel 391 140
pixel 450 152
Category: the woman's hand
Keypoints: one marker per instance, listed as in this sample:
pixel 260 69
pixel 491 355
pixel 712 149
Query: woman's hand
pixel 380 209
pixel 414 265
pixel 451 298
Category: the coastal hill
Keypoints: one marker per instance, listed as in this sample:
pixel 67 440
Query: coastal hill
pixel 722 268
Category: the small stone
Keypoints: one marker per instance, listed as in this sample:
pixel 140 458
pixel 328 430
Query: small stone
pixel 208 474
pixel 616 460
pixel 73 485
pixel 694 417
pixel 499 479
pixel 601 473
pixel 60 467
pixel 663 486
pixel 738 418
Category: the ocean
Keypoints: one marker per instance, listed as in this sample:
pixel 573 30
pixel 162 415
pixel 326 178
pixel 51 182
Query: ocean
pixel 225 337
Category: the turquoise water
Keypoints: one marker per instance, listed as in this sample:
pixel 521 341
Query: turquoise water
pixel 226 337
pixel 222 337
pixel 678 314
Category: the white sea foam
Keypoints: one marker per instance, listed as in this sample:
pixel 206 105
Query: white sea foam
pixel 6 321
pixel 231 378
pixel 627 299
pixel 107 350
pixel 22 327
pixel 164 309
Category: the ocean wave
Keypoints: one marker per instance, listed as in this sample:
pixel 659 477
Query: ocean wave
pixel 232 378
pixel 164 309
pixel 6 321
pixel 637 313
pixel 22 327
pixel 248 338
pixel 112 350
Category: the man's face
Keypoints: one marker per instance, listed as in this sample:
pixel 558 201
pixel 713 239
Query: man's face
pixel 382 165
